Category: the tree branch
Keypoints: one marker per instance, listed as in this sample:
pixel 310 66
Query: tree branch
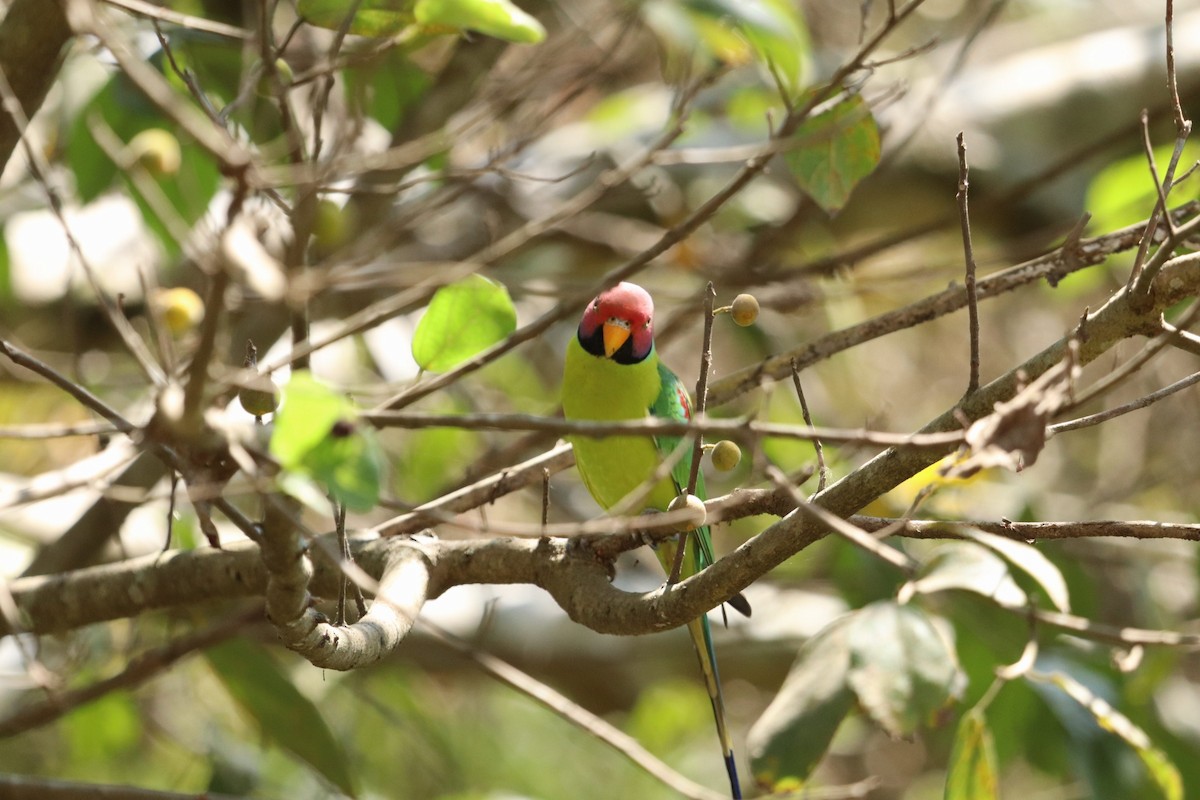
pixel 1053 267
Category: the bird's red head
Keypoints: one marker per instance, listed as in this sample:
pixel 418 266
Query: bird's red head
pixel 619 324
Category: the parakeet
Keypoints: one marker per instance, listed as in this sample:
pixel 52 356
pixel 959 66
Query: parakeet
pixel 612 372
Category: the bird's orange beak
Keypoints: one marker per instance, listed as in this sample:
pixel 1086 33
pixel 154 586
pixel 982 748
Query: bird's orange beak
pixel 615 335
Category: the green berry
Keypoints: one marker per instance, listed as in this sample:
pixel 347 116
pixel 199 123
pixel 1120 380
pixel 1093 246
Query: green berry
pixel 332 227
pixel 259 396
pixel 726 455
pixel 744 309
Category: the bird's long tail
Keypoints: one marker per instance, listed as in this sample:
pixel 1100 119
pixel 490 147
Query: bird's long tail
pixel 702 639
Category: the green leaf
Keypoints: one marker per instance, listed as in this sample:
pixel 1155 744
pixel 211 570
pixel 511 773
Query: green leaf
pixel 902 669
pixel 972 772
pixel 498 18
pixel 463 319
pixel 970 568
pixel 775 31
pixel 792 735
pixel 736 32
pixel 1123 192
pixel 836 150
pixel 255 681
pixel 1030 560
pixel 305 417
pixel 372 18
pixel 117 715
pixel 317 433
pixel 386 88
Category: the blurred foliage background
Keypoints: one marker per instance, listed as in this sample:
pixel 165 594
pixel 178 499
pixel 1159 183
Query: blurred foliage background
pixel 439 143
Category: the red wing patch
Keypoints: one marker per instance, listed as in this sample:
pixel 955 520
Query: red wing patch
pixel 683 401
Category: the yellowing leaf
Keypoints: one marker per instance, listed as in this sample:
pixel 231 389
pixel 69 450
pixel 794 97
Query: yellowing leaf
pixel 1162 772
pixel 972 772
pixel 836 150
pixel 498 18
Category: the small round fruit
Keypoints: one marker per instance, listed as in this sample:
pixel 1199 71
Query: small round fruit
pixel 180 307
pixel 695 512
pixel 332 226
pixel 157 151
pixel 259 396
pixel 726 455
pixel 744 309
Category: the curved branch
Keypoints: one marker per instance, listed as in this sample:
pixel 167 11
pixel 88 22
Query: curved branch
pixel 401 594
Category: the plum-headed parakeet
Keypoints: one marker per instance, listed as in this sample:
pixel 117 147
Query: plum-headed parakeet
pixel 612 373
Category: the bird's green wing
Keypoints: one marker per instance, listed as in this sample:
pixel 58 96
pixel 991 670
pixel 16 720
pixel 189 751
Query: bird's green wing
pixel 673 403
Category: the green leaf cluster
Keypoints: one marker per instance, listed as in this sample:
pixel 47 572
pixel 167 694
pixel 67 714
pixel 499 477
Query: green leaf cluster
pixel 317 433
pixel 892 659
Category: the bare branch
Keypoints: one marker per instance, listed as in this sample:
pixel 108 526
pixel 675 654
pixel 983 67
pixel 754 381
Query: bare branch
pixel 969 257
pixel 740 428
pixel 1052 267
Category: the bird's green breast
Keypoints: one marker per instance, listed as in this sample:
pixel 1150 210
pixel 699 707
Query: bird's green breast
pixel 598 388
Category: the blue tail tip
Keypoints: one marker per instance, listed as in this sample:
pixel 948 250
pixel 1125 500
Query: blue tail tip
pixel 731 768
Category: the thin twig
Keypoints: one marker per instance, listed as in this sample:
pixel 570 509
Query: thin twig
pixel 20 357
pixel 1134 405
pixel 197 378
pixel 822 470
pixel 969 257
pixel 1052 267
pixel 575 714
pixel 158 13
pixel 710 296
pixel 738 428
pixel 40 170
pixel 339 521
pixel 843 528
pixel 141 669
pixel 1182 124
pixel 1033 531
pixel 1116 376
pixel 56 430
